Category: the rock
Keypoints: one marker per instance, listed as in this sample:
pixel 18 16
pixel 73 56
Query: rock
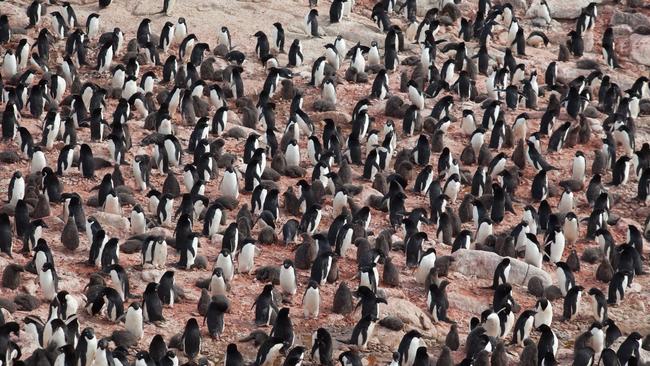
pixel 536 287
pixel 151 275
pixel 113 224
pixel 411 314
pixel 622 30
pixel 640 48
pixel 634 20
pixel 387 338
pixel 562 9
pixel 336 116
pixel 392 323
pixel 552 293
pixel 482 264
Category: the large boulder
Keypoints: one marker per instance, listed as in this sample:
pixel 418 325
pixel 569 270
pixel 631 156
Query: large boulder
pixel 115 225
pixel 634 20
pixel 411 314
pixel 563 9
pixel 482 264
pixel 640 49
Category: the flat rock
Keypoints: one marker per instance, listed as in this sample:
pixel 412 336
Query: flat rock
pixel 562 9
pixel 634 20
pixel 482 264
pixel 115 225
pixel 640 49
pixel 411 314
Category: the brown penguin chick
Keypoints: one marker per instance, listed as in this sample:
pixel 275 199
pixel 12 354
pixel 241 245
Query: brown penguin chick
pixel 484 156
pixel 604 272
pixel 345 172
pixel 563 54
pixel 268 274
pixel 244 227
pixel 11 276
pixel 390 277
pixel 445 358
pixel 279 162
pixel 171 186
pixel 584 131
pixel 402 156
pixel 42 208
pixel 443 263
pixel 454 220
pixel 505 246
pixel 245 213
pixel 343 303
pixel 465 210
pixel 451 340
pixel 70 234
pixel 438 141
pixel 499 356
pixel 406 170
pixel 384 241
pixel 528 354
pixel 573 261
pixel 206 71
pixel 201 107
pixel 536 287
pixel 599 165
pixel 519 155
pixel 318 191
pixel 467 157
pixel 267 236
pixel 288 89
pixel 395 107
pixel 482 358
pixel 380 183
pixel 303 254
pixel 203 303
pixel 291 202
pixel 118 179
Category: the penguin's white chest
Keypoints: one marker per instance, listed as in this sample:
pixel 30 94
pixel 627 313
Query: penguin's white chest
pixel 311 303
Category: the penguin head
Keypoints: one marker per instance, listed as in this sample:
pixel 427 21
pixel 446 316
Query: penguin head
pixel 288 263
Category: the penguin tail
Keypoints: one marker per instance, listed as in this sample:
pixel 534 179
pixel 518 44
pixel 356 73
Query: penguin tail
pixel 345 341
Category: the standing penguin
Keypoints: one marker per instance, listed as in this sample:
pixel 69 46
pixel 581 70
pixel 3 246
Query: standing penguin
pixel 278 37
pixel 191 339
pixel 215 318
pixel 311 23
pixel 311 300
pixel 49 281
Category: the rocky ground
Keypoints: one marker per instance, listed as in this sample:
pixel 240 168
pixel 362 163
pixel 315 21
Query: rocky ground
pixel 408 301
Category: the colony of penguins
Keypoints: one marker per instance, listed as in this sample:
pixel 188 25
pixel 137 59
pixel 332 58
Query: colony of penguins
pixel 457 158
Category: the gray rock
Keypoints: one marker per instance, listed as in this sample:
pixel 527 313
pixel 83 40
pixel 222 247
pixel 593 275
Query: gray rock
pixel 411 314
pixel 482 264
pixel 634 20
pixel 337 116
pixel 114 224
pixel 562 9
pixel 552 293
pixel 640 49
